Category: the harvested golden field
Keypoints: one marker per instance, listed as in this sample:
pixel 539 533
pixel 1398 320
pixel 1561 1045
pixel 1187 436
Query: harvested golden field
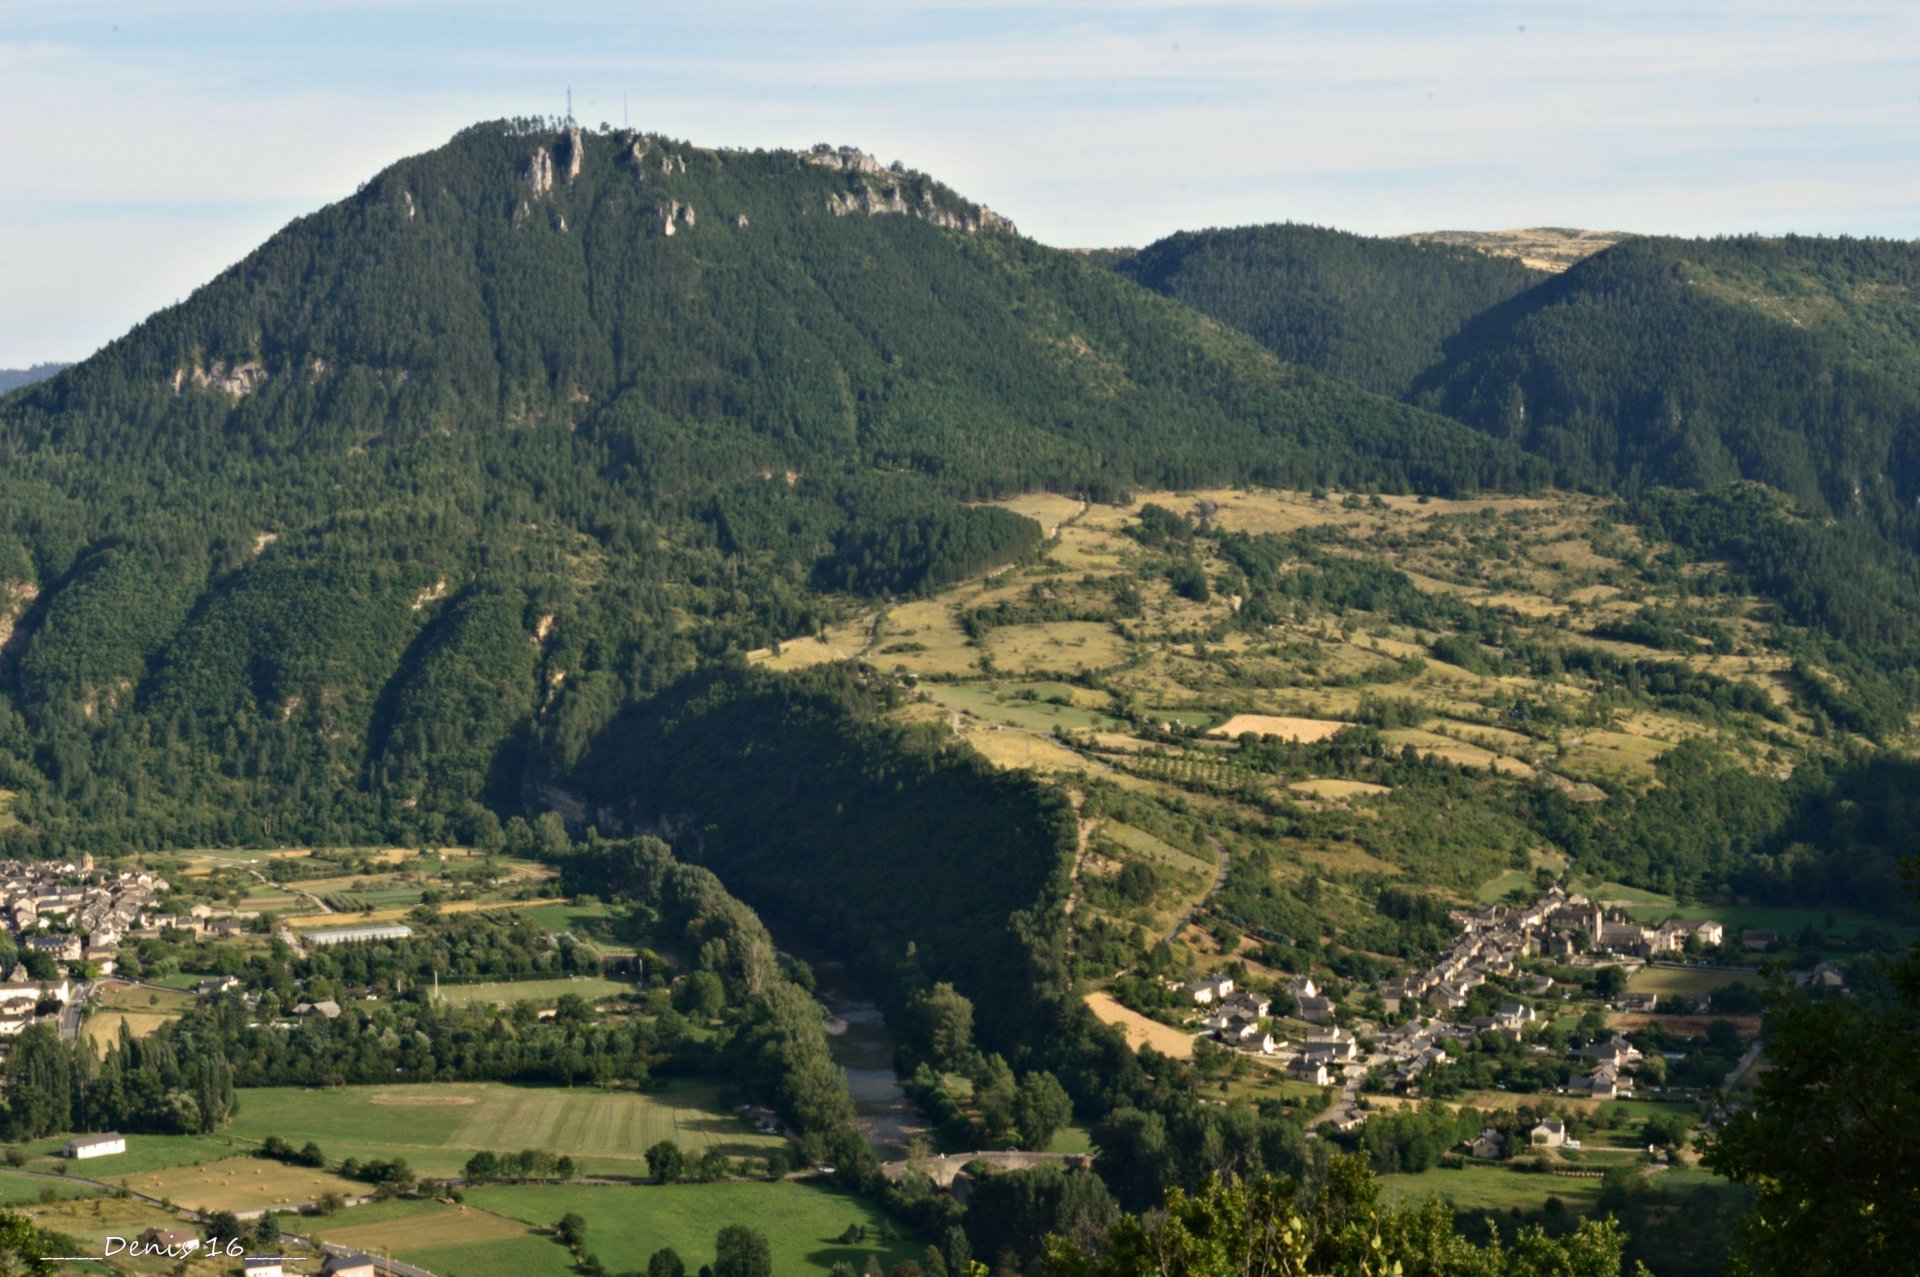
pixel 1326 787
pixel 924 638
pixel 103 1027
pixel 1287 728
pixel 1139 1029
pixel 1012 748
pixel 1434 745
pixel 1048 509
pixel 841 642
pixel 242 1183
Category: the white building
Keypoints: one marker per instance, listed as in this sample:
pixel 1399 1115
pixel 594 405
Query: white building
pixel 83 1146
pixel 378 931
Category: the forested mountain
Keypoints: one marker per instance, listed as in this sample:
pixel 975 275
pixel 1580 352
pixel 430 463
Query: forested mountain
pixel 1372 311
pixel 1693 363
pixel 1686 363
pixel 556 415
pixel 14 378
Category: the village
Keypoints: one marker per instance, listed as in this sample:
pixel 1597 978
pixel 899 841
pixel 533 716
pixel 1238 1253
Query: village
pixel 1411 1024
pixel 64 924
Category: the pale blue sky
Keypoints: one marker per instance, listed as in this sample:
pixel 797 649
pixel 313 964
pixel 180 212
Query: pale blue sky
pixel 148 144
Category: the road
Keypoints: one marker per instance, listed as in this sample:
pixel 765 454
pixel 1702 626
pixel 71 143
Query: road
pixel 1746 1063
pixel 70 1013
pixel 319 905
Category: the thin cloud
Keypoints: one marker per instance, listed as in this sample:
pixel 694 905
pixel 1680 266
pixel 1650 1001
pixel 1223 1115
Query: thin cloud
pixel 1088 121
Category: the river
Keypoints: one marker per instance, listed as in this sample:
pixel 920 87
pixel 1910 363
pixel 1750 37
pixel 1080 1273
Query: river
pixel 862 1044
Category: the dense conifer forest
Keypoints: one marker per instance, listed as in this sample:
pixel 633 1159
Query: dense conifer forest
pixel 556 415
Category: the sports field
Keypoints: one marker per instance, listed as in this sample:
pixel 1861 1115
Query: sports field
pixel 437 1126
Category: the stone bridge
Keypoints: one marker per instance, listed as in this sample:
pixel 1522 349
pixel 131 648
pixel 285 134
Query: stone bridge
pixel 942 1169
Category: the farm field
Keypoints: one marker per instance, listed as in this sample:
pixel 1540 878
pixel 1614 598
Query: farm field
pixel 1139 1029
pixel 1025 705
pixel 438 1126
pixel 558 916
pixel 1672 980
pixel 91 1221
pixel 503 1231
pixel 543 992
pixel 1286 728
pixel 1332 787
pixel 144 1153
pixel 449 1240
pixel 397 913
pixel 141 1010
pixel 625 1225
pixel 17 1189
pixel 1787 923
pixel 1498 1188
pixel 242 1183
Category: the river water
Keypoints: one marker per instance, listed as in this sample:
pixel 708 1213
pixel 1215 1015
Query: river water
pixel 862 1044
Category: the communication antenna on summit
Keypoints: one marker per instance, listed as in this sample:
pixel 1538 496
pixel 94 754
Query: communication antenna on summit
pixel 625 122
pixel 569 104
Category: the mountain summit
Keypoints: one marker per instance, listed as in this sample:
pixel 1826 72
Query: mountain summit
pixel 399 510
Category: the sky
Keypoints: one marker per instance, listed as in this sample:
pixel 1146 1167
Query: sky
pixel 146 145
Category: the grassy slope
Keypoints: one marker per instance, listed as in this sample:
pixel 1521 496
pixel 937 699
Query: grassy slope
pixel 1553 569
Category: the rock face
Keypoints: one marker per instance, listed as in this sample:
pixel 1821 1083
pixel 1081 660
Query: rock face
pixel 241 379
pixel 887 194
pixel 539 174
pixel 574 143
pixel 674 215
pixel 848 159
pixel 974 217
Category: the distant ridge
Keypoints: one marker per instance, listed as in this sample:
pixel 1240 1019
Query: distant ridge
pixel 14 378
pixel 1545 248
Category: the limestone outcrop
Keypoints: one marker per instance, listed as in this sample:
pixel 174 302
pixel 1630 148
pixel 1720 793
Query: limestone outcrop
pixel 539 174
pixel 238 380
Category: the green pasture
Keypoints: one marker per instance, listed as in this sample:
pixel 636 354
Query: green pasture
pixel 1788 923
pixel 1003 703
pixel 627 1224
pixel 437 1126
